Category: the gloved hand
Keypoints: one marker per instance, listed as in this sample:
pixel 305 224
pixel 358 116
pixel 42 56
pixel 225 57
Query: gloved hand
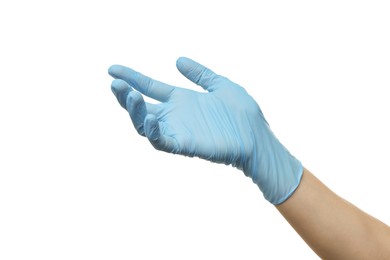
pixel 224 125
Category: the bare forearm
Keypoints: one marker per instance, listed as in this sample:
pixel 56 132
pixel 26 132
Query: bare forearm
pixel 333 227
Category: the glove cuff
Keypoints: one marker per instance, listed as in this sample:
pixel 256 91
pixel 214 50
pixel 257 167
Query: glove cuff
pixel 274 169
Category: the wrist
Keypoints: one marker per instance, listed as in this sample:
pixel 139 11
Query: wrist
pixel 275 171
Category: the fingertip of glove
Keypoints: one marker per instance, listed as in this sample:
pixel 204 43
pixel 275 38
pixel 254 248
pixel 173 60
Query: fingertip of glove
pixel 118 84
pixel 115 86
pixel 114 69
pixel 111 69
pixel 133 100
pixel 181 62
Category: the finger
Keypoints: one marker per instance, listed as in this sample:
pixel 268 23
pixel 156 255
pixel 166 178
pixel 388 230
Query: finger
pixel 147 86
pixel 198 73
pixel 120 89
pixel 156 138
pixel 136 107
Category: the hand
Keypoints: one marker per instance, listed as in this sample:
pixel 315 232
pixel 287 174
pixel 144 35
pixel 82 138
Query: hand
pixel 224 125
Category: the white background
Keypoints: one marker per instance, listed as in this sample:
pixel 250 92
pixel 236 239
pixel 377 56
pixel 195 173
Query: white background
pixel 78 182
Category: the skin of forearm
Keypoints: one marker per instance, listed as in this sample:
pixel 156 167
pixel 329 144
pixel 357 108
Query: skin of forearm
pixel 333 227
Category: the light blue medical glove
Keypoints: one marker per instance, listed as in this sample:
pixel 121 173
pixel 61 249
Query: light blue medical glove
pixel 224 125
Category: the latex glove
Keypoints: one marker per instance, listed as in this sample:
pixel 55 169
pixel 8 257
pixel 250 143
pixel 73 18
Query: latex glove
pixel 224 125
